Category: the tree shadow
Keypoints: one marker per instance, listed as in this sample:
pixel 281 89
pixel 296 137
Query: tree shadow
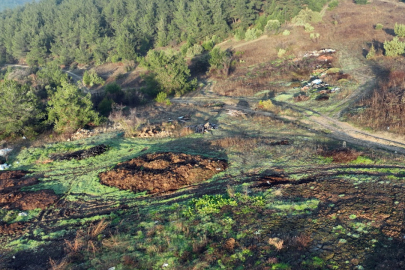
pixel 389 31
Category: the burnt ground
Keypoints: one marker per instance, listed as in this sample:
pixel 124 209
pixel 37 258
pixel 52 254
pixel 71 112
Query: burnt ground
pixel 82 154
pixel 162 172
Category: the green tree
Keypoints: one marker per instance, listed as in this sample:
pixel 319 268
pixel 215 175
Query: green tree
pixel 394 47
pixel 69 109
pixel 170 71
pixel 19 109
pixel 399 30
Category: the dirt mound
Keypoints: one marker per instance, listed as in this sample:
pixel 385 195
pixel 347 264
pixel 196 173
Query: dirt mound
pixel 14 228
pixel 341 155
pixel 11 197
pixel 161 172
pixel 82 154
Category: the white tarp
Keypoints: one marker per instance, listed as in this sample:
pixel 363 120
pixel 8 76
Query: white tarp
pixel 5 151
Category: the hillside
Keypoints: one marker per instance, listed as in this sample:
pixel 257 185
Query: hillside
pixel 277 146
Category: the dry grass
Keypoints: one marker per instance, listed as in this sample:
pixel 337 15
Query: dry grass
pixel 242 144
pixel 58 265
pixel 277 243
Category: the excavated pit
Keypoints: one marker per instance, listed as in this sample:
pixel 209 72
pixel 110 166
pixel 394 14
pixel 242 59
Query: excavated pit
pixel 160 172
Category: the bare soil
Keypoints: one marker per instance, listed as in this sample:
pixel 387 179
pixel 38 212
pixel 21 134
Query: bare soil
pixel 11 197
pixel 162 172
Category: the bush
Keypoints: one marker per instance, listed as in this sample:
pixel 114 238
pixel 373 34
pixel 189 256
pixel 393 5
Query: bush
pixel 239 34
pixel 286 33
pixel 69 109
pixel 252 34
pixel 162 98
pixel 306 16
pixel 309 28
pixel 399 30
pixel 394 47
pixel 281 53
pixel 272 26
pixel 333 4
pixel 195 50
pixel 379 26
pixel 371 53
pixel 114 92
pixel 220 60
pixel 361 2
pixel 314 37
pixel 91 78
pixel 266 105
pixel 105 106
pixel 170 71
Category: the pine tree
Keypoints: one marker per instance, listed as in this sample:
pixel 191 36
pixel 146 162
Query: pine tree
pixel 69 109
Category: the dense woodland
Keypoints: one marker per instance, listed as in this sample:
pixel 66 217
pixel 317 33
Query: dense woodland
pixel 108 31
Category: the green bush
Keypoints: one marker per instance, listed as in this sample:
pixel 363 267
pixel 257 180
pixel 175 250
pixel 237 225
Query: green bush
pixel 309 28
pixel 90 78
pixel 219 59
pixel 195 50
pixel 286 33
pixel 272 26
pixel 379 26
pixel 113 91
pixel 105 106
pixel 394 47
pixel 371 53
pixel 306 16
pixel 399 30
pixel 239 34
pixel 252 34
pixel 170 71
pixel 162 98
pixel 361 2
pixel 69 109
pixel 333 4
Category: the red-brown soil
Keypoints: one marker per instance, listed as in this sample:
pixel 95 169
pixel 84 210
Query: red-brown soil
pixel 341 155
pixel 12 198
pixel 161 172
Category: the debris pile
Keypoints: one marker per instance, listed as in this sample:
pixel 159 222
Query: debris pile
pixel 235 113
pixel 82 133
pixel 319 53
pixel 160 131
pixel 203 128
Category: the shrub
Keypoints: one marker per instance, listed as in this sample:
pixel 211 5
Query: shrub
pixel 252 34
pixel 272 26
pixel 170 71
pixel 281 52
pixel 286 33
pixel 399 30
pixel 394 47
pixel 113 91
pixel 239 34
pixel 220 60
pixel 162 98
pixel 379 26
pixel 309 28
pixel 361 2
pixel 306 16
pixel 266 105
pixel 91 78
pixel 314 37
pixel 195 50
pixel 333 4
pixel 105 106
pixel 371 53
